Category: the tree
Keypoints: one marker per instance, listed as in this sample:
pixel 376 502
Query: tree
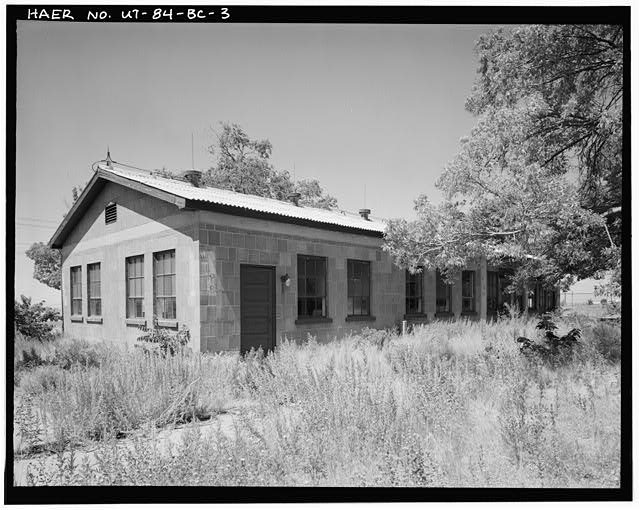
pixel 35 320
pixel 536 185
pixel 47 262
pixel 243 165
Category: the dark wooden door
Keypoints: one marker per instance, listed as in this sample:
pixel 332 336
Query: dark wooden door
pixel 257 308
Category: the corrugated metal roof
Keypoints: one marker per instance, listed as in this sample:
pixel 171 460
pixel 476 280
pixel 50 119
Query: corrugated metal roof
pixel 251 202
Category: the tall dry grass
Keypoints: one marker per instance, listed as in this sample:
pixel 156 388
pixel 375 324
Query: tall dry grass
pixel 451 404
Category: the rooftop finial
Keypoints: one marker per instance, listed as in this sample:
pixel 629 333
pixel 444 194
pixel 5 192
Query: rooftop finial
pixel 109 160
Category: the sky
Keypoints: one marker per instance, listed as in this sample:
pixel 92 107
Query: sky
pixel 354 106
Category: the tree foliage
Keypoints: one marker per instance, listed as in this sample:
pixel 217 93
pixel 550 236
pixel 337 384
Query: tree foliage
pixel 243 165
pixel 35 320
pixel 537 183
pixel 46 264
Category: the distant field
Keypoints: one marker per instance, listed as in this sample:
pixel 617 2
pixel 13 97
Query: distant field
pixel 451 404
pixel 595 310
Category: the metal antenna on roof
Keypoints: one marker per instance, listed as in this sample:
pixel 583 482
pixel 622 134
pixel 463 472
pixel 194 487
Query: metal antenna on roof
pixel 109 160
pixel 193 165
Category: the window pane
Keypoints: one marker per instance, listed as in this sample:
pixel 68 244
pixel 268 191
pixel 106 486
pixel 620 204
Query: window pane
pixel 357 306
pixel 365 306
pixel 350 305
pixel 357 287
pixel 365 285
pixel 172 308
pixel 311 287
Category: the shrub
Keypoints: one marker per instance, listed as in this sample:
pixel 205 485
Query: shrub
pixel 377 337
pixel 79 352
pixel 553 348
pixel 607 340
pixel 35 320
pixel 166 342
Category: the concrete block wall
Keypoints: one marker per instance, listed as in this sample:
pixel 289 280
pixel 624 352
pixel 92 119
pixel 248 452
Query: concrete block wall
pixel 144 225
pixel 226 242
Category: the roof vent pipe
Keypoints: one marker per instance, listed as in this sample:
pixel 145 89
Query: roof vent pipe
pixel 193 176
pixel 365 213
pixel 294 197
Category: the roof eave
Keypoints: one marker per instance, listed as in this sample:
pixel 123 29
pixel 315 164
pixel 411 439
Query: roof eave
pixel 250 213
pixel 58 237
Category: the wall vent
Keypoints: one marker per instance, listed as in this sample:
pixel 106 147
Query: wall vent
pixel 110 214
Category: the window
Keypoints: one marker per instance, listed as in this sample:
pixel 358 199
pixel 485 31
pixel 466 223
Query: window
pixel 413 292
pixel 468 291
pixel 110 213
pixel 93 290
pixel 443 295
pixel 76 290
pixel 358 287
pixel 135 287
pixel 312 286
pixel 493 292
pixel 164 284
pixel 533 298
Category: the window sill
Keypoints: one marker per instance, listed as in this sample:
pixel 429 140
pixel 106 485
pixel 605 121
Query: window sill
pixel 444 314
pixel 469 314
pixel 136 322
pixel 168 323
pixel 77 318
pixel 94 320
pixel 415 316
pixel 313 320
pixel 360 318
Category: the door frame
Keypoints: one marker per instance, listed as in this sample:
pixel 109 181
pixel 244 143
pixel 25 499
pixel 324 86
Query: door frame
pixel 272 269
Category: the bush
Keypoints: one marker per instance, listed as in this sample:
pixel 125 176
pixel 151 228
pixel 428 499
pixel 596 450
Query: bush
pixel 607 338
pixel 79 352
pixel 553 348
pixel 35 320
pixel 166 342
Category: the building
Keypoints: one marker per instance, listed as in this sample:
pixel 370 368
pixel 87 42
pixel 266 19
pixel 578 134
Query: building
pixel 240 271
